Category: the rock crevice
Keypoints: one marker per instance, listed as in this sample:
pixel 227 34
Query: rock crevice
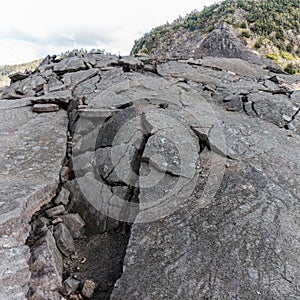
pixel 161 173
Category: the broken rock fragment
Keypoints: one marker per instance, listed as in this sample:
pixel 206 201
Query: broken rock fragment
pixel 64 239
pixel 44 108
pixel 18 76
pixel 135 138
pixel 88 289
pixel 55 211
pixel 63 197
pixel 70 64
pixel 74 223
pixel 70 285
pixel 59 97
pixel 46 265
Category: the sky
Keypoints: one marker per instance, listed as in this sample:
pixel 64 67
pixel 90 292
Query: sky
pixel 32 29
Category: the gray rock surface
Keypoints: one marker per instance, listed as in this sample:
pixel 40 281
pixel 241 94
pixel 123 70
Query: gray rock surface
pixel 70 285
pixel 55 211
pixel 70 64
pixel 88 289
pixel 200 157
pixel 64 239
pixel 18 76
pixel 237 242
pixel 46 267
pixel 73 79
pixel 59 97
pixel 74 223
pixel 14 272
pixel 32 149
pixel 63 197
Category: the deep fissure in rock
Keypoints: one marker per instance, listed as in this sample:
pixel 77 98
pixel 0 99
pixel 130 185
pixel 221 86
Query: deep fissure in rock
pixel 71 240
pixel 42 247
pixel 106 241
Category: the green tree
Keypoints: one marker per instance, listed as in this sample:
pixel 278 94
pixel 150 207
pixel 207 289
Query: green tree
pixel 246 34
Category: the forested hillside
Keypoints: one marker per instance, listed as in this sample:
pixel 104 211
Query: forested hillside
pixel 271 28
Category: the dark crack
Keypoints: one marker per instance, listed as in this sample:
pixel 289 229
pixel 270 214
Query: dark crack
pixel 278 92
pixel 205 143
pixel 253 108
pixel 294 116
pixel 125 105
pixel 245 99
pixel 151 163
pixel 203 138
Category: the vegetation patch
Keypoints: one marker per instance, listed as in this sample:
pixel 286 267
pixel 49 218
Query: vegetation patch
pixel 266 26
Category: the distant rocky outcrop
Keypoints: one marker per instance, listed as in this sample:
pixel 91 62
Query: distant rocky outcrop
pixel 264 31
pixel 223 42
pixel 140 178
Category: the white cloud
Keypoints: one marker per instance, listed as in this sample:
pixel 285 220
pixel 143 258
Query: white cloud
pixel 34 28
pixel 15 51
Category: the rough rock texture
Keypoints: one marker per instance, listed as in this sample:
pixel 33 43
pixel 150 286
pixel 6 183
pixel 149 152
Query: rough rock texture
pixel 223 42
pixel 236 243
pixel 194 163
pixel 32 150
pixel 46 267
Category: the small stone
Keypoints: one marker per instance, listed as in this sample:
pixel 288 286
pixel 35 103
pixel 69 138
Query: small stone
pixel 55 211
pixel 88 289
pixel 46 88
pixel 82 260
pixel 70 285
pixel 51 228
pixel 64 174
pixel 44 229
pixel 57 221
pixel 83 163
pixel 63 197
pixel 64 240
pixel 45 108
pixel 44 221
pixel 66 264
pixel 83 106
pixel 287 118
pixel 74 256
pixel 74 297
pixel 74 223
pixel 149 68
pixel 231 73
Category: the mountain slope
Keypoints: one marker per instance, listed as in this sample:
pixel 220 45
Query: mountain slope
pixel 6 70
pixel 268 28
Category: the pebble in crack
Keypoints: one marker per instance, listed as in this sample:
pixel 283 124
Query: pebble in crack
pixel 64 239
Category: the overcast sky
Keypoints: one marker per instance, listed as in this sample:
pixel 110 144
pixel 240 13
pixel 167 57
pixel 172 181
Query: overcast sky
pixel 31 29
